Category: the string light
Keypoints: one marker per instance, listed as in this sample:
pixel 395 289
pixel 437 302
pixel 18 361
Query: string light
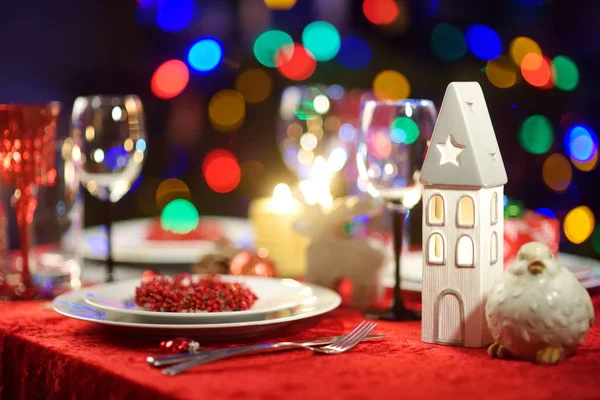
pixel 557 172
pixel 169 79
pixel 354 53
pixel 221 171
pixel 280 4
pixel 227 110
pixel 254 85
pixel 565 73
pixel 501 72
pixel 391 85
pixel 581 143
pixel 322 39
pixel 535 69
pixel 179 216
pixel 536 134
pixel 448 42
pixel 205 55
pixel 174 15
pixel 380 12
pixel 579 224
pixel 295 62
pixel 520 47
pixel 268 44
pixel 483 42
pixel 404 130
pixel 171 189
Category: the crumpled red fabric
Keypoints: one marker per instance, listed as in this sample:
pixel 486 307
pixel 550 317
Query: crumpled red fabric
pixel 44 355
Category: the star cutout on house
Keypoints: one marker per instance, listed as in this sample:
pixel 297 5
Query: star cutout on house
pixel 493 155
pixel 470 105
pixel 449 151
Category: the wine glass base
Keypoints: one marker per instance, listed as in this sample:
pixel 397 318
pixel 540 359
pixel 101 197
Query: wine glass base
pixel 394 314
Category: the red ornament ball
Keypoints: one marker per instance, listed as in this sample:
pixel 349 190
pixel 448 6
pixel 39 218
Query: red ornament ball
pixel 248 263
pixel 180 345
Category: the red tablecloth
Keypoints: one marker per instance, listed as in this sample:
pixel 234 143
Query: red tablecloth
pixel 47 356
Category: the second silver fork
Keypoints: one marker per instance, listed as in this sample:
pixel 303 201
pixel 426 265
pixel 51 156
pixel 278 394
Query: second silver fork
pixel 344 344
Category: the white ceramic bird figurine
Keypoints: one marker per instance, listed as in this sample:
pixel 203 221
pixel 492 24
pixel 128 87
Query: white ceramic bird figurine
pixel 537 310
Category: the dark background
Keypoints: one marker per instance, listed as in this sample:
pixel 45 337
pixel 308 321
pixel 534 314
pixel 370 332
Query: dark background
pixel 58 50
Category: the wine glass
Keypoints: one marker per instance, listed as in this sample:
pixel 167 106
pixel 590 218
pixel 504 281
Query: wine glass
pixel 109 148
pixel 392 143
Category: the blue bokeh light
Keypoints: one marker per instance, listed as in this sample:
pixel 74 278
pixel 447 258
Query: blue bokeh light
pixel 546 211
pixel 581 143
pixel 347 132
pixel 205 55
pixel 483 42
pixel 140 145
pixel 398 135
pixel 354 53
pixel 174 15
pixel 116 158
pixel 335 92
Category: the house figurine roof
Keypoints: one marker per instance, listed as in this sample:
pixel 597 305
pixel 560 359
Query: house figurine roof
pixel 463 149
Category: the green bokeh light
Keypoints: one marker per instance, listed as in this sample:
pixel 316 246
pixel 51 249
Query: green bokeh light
pixel 565 73
pixel 448 42
pixel 179 216
pixel 322 39
pixel 596 239
pixel 404 130
pixel 536 134
pixel 268 44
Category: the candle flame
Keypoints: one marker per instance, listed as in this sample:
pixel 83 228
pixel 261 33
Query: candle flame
pixel 282 198
pixel 316 190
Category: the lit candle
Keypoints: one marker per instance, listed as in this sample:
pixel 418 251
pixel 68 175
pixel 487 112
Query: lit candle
pixel 272 219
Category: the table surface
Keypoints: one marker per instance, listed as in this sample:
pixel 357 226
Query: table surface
pixel 48 356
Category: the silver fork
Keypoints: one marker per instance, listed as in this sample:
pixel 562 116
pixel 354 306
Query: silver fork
pixel 344 344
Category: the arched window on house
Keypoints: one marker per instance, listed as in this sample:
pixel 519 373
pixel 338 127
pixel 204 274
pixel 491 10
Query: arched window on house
pixel 465 252
pixel 466 212
pixel 494 209
pixel 435 212
pixel 435 251
pixel 494 248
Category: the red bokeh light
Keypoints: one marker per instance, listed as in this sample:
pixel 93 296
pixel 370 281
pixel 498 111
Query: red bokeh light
pixel 380 12
pixel 169 79
pixel 221 170
pixel 295 62
pixel 536 70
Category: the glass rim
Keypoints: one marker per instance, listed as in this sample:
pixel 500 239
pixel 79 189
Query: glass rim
pixel 399 102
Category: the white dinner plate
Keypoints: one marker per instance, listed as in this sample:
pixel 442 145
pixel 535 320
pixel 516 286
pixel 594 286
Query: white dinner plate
pixel 273 295
pixel 73 305
pixel 130 242
pixel 587 270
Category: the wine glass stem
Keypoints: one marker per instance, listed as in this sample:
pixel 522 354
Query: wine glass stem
pixel 24 209
pixel 398 232
pixel 109 258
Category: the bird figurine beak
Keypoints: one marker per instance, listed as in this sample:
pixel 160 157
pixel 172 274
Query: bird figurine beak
pixel 536 267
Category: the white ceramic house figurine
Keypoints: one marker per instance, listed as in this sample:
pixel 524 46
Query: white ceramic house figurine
pixel 463 177
pixel 331 256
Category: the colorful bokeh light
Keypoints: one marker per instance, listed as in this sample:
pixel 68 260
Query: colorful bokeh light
pixel 227 110
pixel 322 39
pixel 174 15
pixel 169 79
pixel 205 55
pixel 171 189
pixel 268 44
pixel 501 72
pixel 565 73
pixel 391 85
pixel 280 4
pixel 520 47
pixel 483 42
pixel 546 211
pixel 221 170
pixel 404 130
pixel 254 85
pixel 354 53
pixel 448 42
pixel 579 224
pixel 179 216
pixel 581 143
pixel 380 12
pixel 557 172
pixel 588 165
pixel 536 134
pixel 535 69
pixel 295 62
